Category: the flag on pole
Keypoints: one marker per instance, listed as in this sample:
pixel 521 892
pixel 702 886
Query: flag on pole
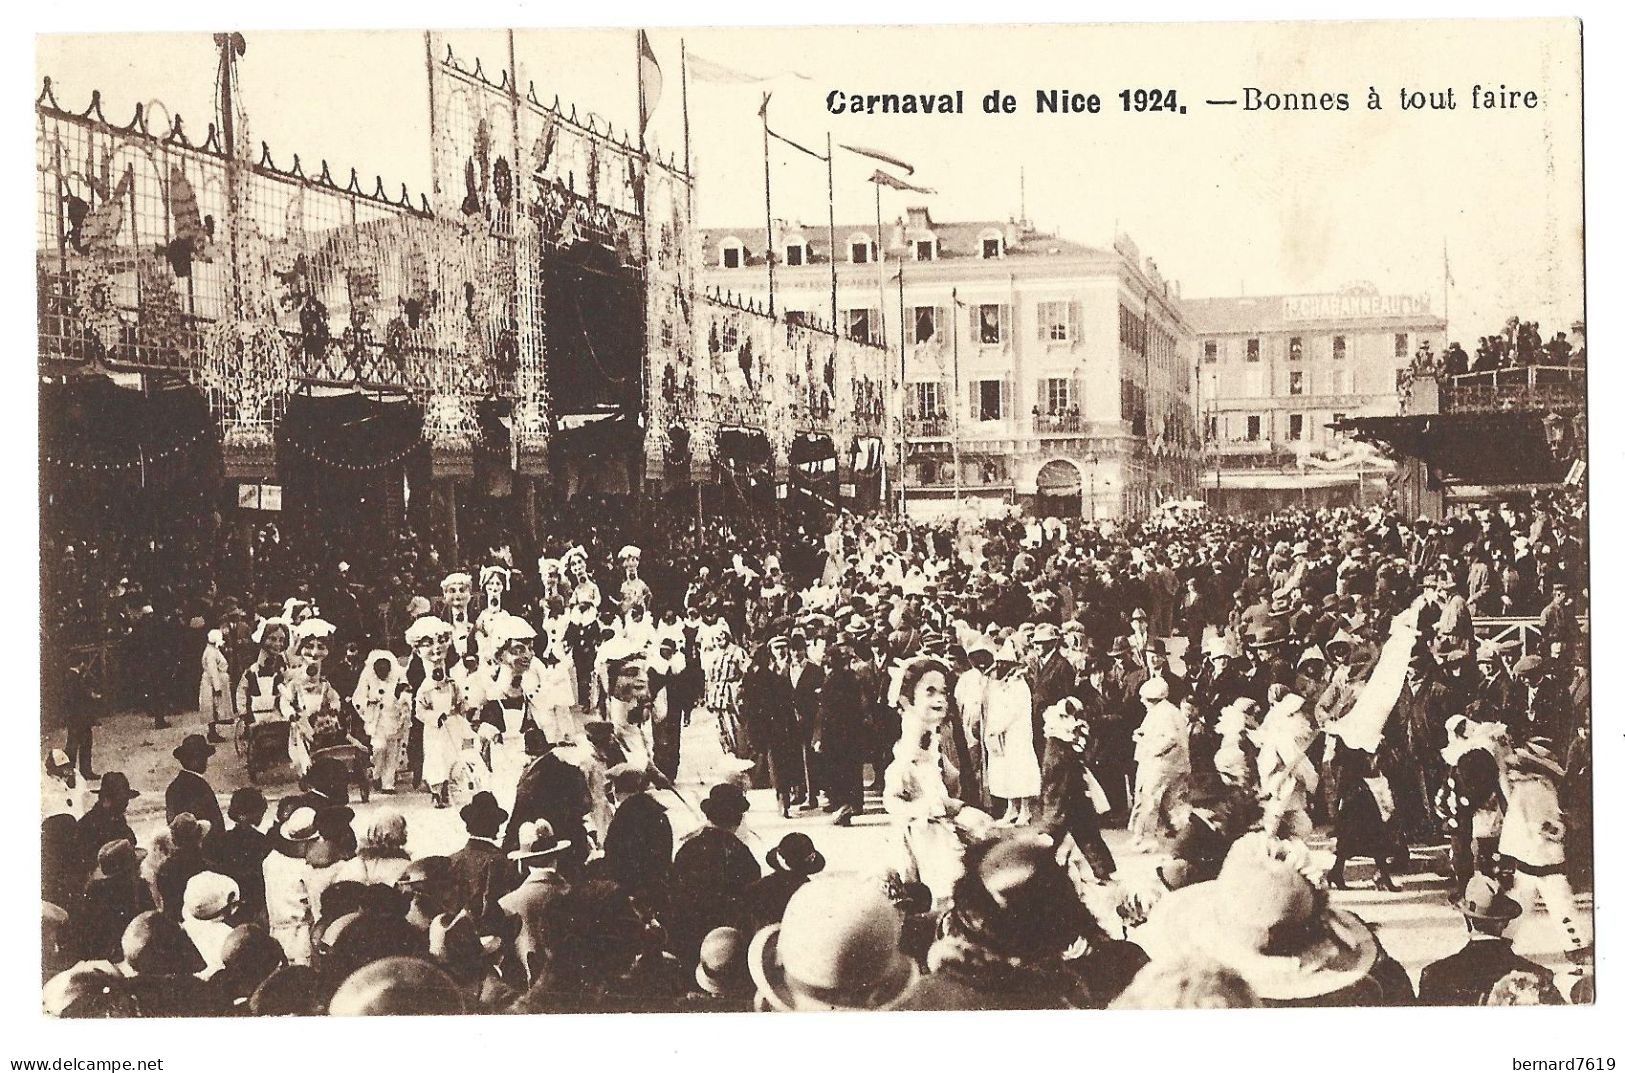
pixel 648 79
pixel 705 70
pixel 895 183
pixel 876 154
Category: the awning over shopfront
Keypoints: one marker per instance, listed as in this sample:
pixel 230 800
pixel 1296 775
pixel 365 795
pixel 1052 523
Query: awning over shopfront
pixel 1496 447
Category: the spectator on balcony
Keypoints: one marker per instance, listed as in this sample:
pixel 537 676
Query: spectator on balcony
pixel 1558 350
pixel 1455 360
pixel 1487 358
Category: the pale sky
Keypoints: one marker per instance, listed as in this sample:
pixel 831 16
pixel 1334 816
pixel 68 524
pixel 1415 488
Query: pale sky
pixel 1225 201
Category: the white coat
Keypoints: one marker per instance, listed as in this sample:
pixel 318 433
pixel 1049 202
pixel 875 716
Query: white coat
pixel 1012 759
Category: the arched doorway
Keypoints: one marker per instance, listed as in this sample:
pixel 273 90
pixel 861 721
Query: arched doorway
pixel 1060 489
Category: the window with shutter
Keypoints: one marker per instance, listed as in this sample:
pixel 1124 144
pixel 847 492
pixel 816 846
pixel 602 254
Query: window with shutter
pixel 925 324
pixel 989 324
pixel 1054 322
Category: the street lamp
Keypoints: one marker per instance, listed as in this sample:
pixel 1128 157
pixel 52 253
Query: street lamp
pixel 1091 460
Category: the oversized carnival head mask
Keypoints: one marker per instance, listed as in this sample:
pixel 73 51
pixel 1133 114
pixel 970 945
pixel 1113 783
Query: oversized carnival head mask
pixel 494 583
pixel 274 638
pixel 516 653
pixel 312 640
pixel 430 639
pixel 458 591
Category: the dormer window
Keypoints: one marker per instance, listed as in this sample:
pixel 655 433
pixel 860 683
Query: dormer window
pixel 992 245
pixel 795 253
pixel 925 249
pixel 732 253
pixel 862 250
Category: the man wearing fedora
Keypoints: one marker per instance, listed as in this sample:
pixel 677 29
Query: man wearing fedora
pixel 480 869
pixel 189 791
pixel 526 907
pixel 1053 677
pixel 1465 977
pixel 105 821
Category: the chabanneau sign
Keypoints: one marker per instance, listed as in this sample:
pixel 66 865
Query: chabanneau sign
pixel 1352 306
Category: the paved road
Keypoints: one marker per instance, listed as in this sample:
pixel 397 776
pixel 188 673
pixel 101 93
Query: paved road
pixel 1416 924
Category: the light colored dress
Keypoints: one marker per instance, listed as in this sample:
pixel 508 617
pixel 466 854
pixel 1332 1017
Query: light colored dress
pixel 1012 761
pixel 1162 772
pixel 930 849
pixel 443 743
pixel 286 908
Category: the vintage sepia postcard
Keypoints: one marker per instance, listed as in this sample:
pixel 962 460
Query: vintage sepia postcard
pixel 814 518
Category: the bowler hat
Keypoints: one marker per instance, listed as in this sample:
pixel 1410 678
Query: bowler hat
pixel 246 802
pixel 722 969
pixel 726 804
pixel 837 948
pixel 1120 646
pixel 483 814
pixel 796 853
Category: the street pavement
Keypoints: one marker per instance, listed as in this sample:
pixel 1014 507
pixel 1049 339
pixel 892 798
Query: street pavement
pixel 1416 924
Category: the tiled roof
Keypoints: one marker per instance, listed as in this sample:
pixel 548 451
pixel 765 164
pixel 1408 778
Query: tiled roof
pixel 955 240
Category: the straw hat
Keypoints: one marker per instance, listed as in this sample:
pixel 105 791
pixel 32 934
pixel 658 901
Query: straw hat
pixel 1266 922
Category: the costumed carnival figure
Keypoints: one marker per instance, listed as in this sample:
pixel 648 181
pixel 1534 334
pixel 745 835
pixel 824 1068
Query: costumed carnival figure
pixel 494 582
pixel 257 688
pixel 934 826
pixel 384 700
pixel 307 699
pixel 438 709
pixel 456 594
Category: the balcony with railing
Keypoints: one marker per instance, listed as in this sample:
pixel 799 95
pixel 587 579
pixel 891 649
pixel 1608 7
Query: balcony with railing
pixel 745 411
pixel 1059 424
pixel 937 425
pixel 1527 387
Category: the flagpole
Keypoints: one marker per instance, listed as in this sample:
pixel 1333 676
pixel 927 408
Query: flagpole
pixel 956 399
pixel 902 382
pixel 767 197
pixel 880 267
pixel 829 159
pixel 643 117
pixel 688 168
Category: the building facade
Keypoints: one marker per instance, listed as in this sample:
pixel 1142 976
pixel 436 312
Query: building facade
pixel 1034 371
pixel 1275 371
